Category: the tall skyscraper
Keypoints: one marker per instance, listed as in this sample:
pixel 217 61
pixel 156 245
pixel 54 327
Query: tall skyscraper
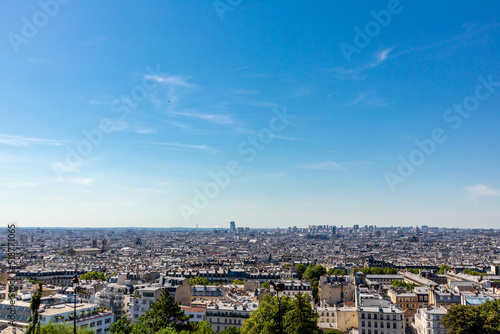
pixel 232 227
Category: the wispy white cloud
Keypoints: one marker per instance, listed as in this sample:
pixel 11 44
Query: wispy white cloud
pixel 79 181
pixel 37 60
pixel 241 91
pixel 286 138
pixel 25 141
pixel 382 55
pixel 344 166
pixel 146 131
pixel 181 146
pixel 19 184
pixel 367 99
pixel 360 72
pixel 474 33
pixel 84 182
pixel 239 69
pixel 328 165
pixel 480 190
pixel 214 118
pixel 170 80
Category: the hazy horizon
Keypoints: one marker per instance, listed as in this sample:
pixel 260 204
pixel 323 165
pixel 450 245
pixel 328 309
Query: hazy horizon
pixel 269 114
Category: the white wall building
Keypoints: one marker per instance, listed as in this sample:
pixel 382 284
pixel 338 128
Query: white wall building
pixel 380 320
pixel 428 320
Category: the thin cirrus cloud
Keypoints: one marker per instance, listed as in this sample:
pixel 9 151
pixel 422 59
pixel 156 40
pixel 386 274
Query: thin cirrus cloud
pixel 478 191
pixel 170 80
pixel 328 165
pixel 18 140
pixel 367 99
pixel 14 185
pixel 359 72
pixel 213 118
pixel 344 166
pixel 181 147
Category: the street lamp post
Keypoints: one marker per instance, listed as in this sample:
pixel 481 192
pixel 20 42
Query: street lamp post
pixel 279 288
pixel 75 287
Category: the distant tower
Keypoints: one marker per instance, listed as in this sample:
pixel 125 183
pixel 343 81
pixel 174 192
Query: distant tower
pixel 94 243
pixel 232 227
pixel 104 245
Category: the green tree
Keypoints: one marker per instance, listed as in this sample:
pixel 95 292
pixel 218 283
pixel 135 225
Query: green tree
pixel 400 284
pixel 164 313
pixel 314 271
pixel 238 282
pixel 266 285
pixel 334 331
pixel 265 319
pixel 231 330
pixel 462 319
pixel 301 318
pixel 301 268
pixel 122 326
pixel 36 298
pixel 379 271
pixel 202 327
pixel 490 314
pixel 442 269
pixel 198 281
pixel 471 272
pixel 94 275
pixel 335 271
pixel 63 328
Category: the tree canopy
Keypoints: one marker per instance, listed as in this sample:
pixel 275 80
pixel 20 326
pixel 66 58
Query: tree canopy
pixel 335 271
pixel 400 284
pixel 63 328
pixel 96 275
pixel 198 281
pixel 442 269
pixel 466 319
pixel 34 319
pixel 334 331
pixel 297 316
pixel 379 271
pixel 163 313
pixel 471 272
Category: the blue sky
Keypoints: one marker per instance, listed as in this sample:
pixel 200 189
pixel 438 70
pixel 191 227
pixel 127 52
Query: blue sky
pixel 121 113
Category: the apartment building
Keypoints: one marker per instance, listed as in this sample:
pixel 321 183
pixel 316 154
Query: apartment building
pixel 141 301
pixel 403 298
pixel 381 320
pixel 294 287
pixel 87 315
pixel 197 313
pixel 116 298
pixel 341 318
pixel 225 315
pixel 428 320
pixel 336 289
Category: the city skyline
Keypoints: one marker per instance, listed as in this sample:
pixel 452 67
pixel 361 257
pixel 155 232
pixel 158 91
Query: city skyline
pixel 271 115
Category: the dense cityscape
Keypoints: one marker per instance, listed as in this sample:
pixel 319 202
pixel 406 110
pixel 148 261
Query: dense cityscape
pixel 250 167
pixel 352 276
